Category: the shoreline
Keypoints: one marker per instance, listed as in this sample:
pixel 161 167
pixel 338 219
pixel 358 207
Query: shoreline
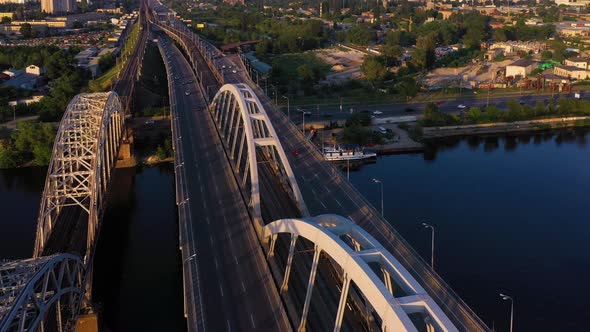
pixel 506 127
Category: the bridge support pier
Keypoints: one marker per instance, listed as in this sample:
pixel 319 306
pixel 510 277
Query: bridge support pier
pixel 285 284
pixel 342 303
pixel 310 284
pixel 126 157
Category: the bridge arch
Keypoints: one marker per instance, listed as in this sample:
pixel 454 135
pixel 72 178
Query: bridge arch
pixel 353 249
pixel 84 155
pixel 33 288
pixel 245 127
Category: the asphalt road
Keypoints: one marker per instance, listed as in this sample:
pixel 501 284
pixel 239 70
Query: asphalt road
pixel 234 289
pixel 333 112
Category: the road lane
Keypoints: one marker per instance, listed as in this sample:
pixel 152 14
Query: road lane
pixel 237 291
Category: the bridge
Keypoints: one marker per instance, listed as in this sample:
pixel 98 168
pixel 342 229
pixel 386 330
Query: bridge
pixel 292 190
pixel 50 290
pixel 270 241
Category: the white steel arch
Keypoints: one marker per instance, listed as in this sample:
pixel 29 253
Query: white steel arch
pixel 328 234
pixel 244 124
pixel 84 155
pixel 30 289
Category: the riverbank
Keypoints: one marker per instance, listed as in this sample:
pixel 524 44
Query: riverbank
pixel 506 127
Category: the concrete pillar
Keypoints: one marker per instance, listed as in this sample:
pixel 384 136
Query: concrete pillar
pixel 342 303
pixel 310 284
pixel 285 284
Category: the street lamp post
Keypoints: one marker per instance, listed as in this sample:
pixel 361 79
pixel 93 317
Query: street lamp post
pixel 288 107
pixel 425 225
pixel 506 297
pixel 303 123
pixel 381 184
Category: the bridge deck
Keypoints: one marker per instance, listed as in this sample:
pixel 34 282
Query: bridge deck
pixel 233 284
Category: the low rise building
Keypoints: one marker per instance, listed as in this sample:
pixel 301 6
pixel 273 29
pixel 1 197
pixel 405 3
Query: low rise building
pixel 520 68
pixel 577 62
pixel 571 72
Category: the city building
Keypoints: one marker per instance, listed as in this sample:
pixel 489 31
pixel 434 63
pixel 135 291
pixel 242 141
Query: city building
pixel 577 62
pixel 58 6
pixel 570 29
pixel 28 79
pixel 520 68
pixel 571 72
pixel 573 3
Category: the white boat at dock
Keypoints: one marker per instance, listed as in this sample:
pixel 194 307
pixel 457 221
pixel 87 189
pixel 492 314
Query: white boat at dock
pixel 336 153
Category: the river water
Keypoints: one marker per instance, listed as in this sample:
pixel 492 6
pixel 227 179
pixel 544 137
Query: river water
pixel 510 215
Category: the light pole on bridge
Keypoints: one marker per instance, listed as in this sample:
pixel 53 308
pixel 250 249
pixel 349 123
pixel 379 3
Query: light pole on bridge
pixel 425 225
pixel 288 106
pixel 381 184
pixel 506 297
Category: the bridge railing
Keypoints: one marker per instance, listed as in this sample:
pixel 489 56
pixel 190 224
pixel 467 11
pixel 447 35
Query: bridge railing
pixel 193 307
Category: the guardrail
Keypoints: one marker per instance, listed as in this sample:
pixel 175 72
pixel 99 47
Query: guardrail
pixel 190 275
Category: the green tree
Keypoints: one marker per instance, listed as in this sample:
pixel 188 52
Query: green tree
pixel 374 69
pixel 26 30
pixel 408 88
pixel 539 108
pixel 474 114
pixel 360 35
pixel 358 119
pixel 493 113
pixel 424 56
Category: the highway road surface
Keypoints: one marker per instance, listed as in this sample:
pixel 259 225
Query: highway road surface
pixel 232 286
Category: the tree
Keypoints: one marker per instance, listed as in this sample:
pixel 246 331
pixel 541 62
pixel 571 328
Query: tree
pixel 539 108
pixel 358 119
pixel 76 25
pixel 424 56
pixel 6 20
pixel 408 88
pixel 374 69
pixel 26 30
pixel 474 114
pixel 360 35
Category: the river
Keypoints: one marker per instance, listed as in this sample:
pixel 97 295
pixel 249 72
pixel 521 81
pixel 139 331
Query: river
pixel 510 215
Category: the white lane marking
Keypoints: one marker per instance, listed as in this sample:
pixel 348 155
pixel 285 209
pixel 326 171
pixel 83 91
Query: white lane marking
pixel 243 287
pixel 207 219
pixel 313 192
pixel 216 264
pixel 252 321
pixel 221 289
pixel 324 205
pixel 228 326
pixel 338 202
pixel 236 260
pixel 211 239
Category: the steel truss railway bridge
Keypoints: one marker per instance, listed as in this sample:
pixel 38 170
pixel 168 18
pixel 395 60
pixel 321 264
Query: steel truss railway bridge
pixel 49 291
pixel 331 272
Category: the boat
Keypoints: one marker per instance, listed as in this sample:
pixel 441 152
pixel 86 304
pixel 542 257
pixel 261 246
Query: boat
pixel 346 153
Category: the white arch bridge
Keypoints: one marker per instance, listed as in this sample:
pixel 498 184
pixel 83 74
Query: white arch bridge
pixel 46 292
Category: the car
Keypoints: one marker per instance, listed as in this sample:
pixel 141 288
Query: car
pixel 295 153
pixel 190 81
pixel 377 112
pixel 409 109
pixel 223 66
pixel 461 106
pixel 522 102
pixel 233 71
pixel 187 93
pixel 149 122
pixel 176 77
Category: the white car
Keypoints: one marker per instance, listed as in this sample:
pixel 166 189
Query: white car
pixel 461 106
pixel 187 93
pixel 377 112
pixel 233 71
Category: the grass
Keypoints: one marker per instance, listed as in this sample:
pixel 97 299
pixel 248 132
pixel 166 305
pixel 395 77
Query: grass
pixel 103 83
pixel 288 64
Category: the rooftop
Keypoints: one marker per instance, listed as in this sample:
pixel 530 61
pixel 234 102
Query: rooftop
pixel 522 63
